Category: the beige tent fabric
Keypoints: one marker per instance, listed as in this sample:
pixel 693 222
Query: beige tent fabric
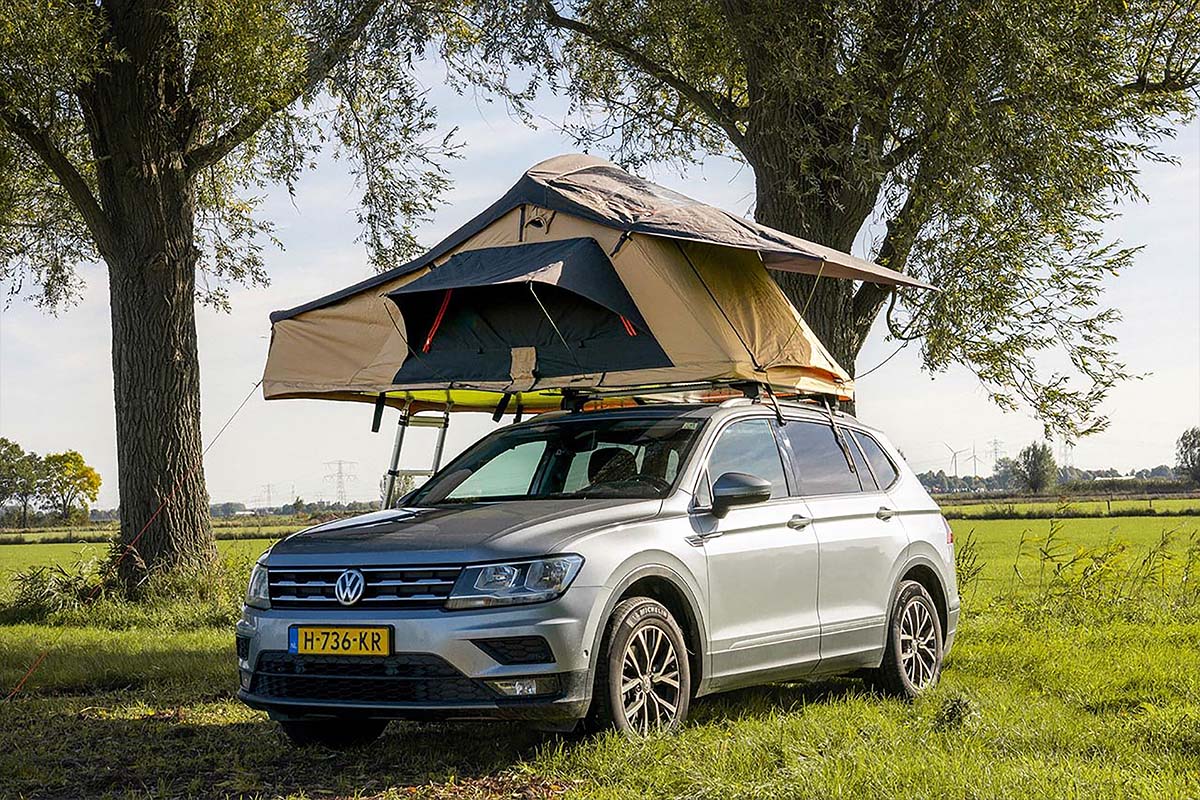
pixel 715 311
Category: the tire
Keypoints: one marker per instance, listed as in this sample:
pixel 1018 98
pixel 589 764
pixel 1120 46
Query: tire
pixel 336 734
pixel 626 696
pixel 908 670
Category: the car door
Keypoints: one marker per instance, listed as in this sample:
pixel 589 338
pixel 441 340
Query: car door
pixel 859 541
pixel 762 571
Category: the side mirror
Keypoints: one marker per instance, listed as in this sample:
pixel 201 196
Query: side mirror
pixel 738 489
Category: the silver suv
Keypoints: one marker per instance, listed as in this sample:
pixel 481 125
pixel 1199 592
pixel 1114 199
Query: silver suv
pixel 608 567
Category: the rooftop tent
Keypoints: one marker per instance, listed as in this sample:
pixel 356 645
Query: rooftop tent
pixel 580 276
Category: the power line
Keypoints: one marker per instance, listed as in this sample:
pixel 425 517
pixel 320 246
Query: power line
pixel 340 473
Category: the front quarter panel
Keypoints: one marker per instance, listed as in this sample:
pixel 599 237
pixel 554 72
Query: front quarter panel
pixel 617 557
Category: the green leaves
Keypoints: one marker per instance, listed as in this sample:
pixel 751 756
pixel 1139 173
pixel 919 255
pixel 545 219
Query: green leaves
pixel 988 142
pixel 214 100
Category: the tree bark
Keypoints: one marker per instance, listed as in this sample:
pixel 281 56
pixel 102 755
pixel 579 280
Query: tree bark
pixel 156 383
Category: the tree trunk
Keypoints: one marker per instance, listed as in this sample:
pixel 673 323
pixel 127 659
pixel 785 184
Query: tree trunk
pixel 139 122
pixel 156 380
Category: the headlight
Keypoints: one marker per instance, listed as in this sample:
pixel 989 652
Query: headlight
pixel 258 593
pixel 514 583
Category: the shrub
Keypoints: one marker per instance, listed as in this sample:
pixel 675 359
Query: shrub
pixel 84 595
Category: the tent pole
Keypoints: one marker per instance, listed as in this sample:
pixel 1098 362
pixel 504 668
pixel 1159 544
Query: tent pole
pixel 393 467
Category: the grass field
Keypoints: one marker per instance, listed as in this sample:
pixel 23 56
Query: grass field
pixel 1072 676
pixel 1074 507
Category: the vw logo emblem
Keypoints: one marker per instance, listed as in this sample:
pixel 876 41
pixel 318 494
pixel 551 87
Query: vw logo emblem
pixel 349 587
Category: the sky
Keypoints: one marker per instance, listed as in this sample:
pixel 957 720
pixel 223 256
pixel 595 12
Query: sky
pixel 56 376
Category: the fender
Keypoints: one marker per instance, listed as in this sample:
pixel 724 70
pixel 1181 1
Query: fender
pixel 915 554
pixel 655 570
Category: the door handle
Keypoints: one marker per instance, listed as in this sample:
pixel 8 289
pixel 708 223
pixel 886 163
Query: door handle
pixel 798 523
pixel 885 513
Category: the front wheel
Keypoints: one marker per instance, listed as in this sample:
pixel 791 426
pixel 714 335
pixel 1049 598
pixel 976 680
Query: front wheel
pixel 643 683
pixel 912 660
pixel 336 734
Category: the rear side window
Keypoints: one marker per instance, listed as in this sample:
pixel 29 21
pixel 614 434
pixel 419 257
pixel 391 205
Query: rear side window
pixel 820 460
pixel 749 447
pixel 885 471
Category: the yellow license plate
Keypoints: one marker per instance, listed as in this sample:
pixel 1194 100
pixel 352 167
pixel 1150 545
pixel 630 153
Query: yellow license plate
pixel 340 640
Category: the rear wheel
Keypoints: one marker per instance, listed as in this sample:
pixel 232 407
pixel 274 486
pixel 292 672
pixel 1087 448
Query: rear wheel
pixel 912 660
pixel 336 734
pixel 643 683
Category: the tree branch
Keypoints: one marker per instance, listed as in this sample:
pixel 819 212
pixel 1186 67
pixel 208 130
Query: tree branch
pixel 720 109
pixel 39 141
pixel 893 254
pixel 1167 85
pixel 319 64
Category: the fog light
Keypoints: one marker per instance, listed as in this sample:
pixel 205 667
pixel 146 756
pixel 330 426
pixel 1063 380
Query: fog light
pixel 245 680
pixel 526 687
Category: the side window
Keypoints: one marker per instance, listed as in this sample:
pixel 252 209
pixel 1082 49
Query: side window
pixel 885 471
pixel 749 446
pixel 505 475
pixel 820 460
pixel 860 466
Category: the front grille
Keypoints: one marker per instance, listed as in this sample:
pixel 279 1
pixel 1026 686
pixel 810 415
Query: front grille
pixel 400 678
pixel 517 649
pixel 386 587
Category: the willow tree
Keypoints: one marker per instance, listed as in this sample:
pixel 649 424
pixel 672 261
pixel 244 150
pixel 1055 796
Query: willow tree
pixel 979 146
pixel 138 133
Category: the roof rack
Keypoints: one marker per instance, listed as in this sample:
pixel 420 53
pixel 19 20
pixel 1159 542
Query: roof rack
pixel 708 392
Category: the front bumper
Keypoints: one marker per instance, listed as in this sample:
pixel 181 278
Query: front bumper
pixel 437 670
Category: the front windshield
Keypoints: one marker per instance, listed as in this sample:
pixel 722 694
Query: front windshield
pixel 572 457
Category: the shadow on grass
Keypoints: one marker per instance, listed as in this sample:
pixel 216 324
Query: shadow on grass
pixel 113 745
pixel 172 743
pixel 773 698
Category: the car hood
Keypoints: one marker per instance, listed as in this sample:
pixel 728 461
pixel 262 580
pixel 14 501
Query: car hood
pixel 455 533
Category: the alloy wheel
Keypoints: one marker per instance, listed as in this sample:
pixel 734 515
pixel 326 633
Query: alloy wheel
pixel 918 644
pixel 650 680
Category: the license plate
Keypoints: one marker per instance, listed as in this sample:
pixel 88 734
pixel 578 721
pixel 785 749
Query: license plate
pixel 340 640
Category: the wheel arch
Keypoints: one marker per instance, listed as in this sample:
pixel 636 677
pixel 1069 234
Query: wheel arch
pixel 668 587
pixel 924 571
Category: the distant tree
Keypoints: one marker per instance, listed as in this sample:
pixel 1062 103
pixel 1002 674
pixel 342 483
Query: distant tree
pixel 27 472
pixel 1004 474
pixel 1034 469
pixel 1187 454
pixel 226 509
pixel 10 454
pixel 67 482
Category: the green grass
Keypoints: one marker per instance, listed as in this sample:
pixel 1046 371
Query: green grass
pixel 106 535
pixel 18 557
pixel 1082 508
pixel 1059 685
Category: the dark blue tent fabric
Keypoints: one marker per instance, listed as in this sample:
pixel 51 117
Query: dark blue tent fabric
pixel 582 268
